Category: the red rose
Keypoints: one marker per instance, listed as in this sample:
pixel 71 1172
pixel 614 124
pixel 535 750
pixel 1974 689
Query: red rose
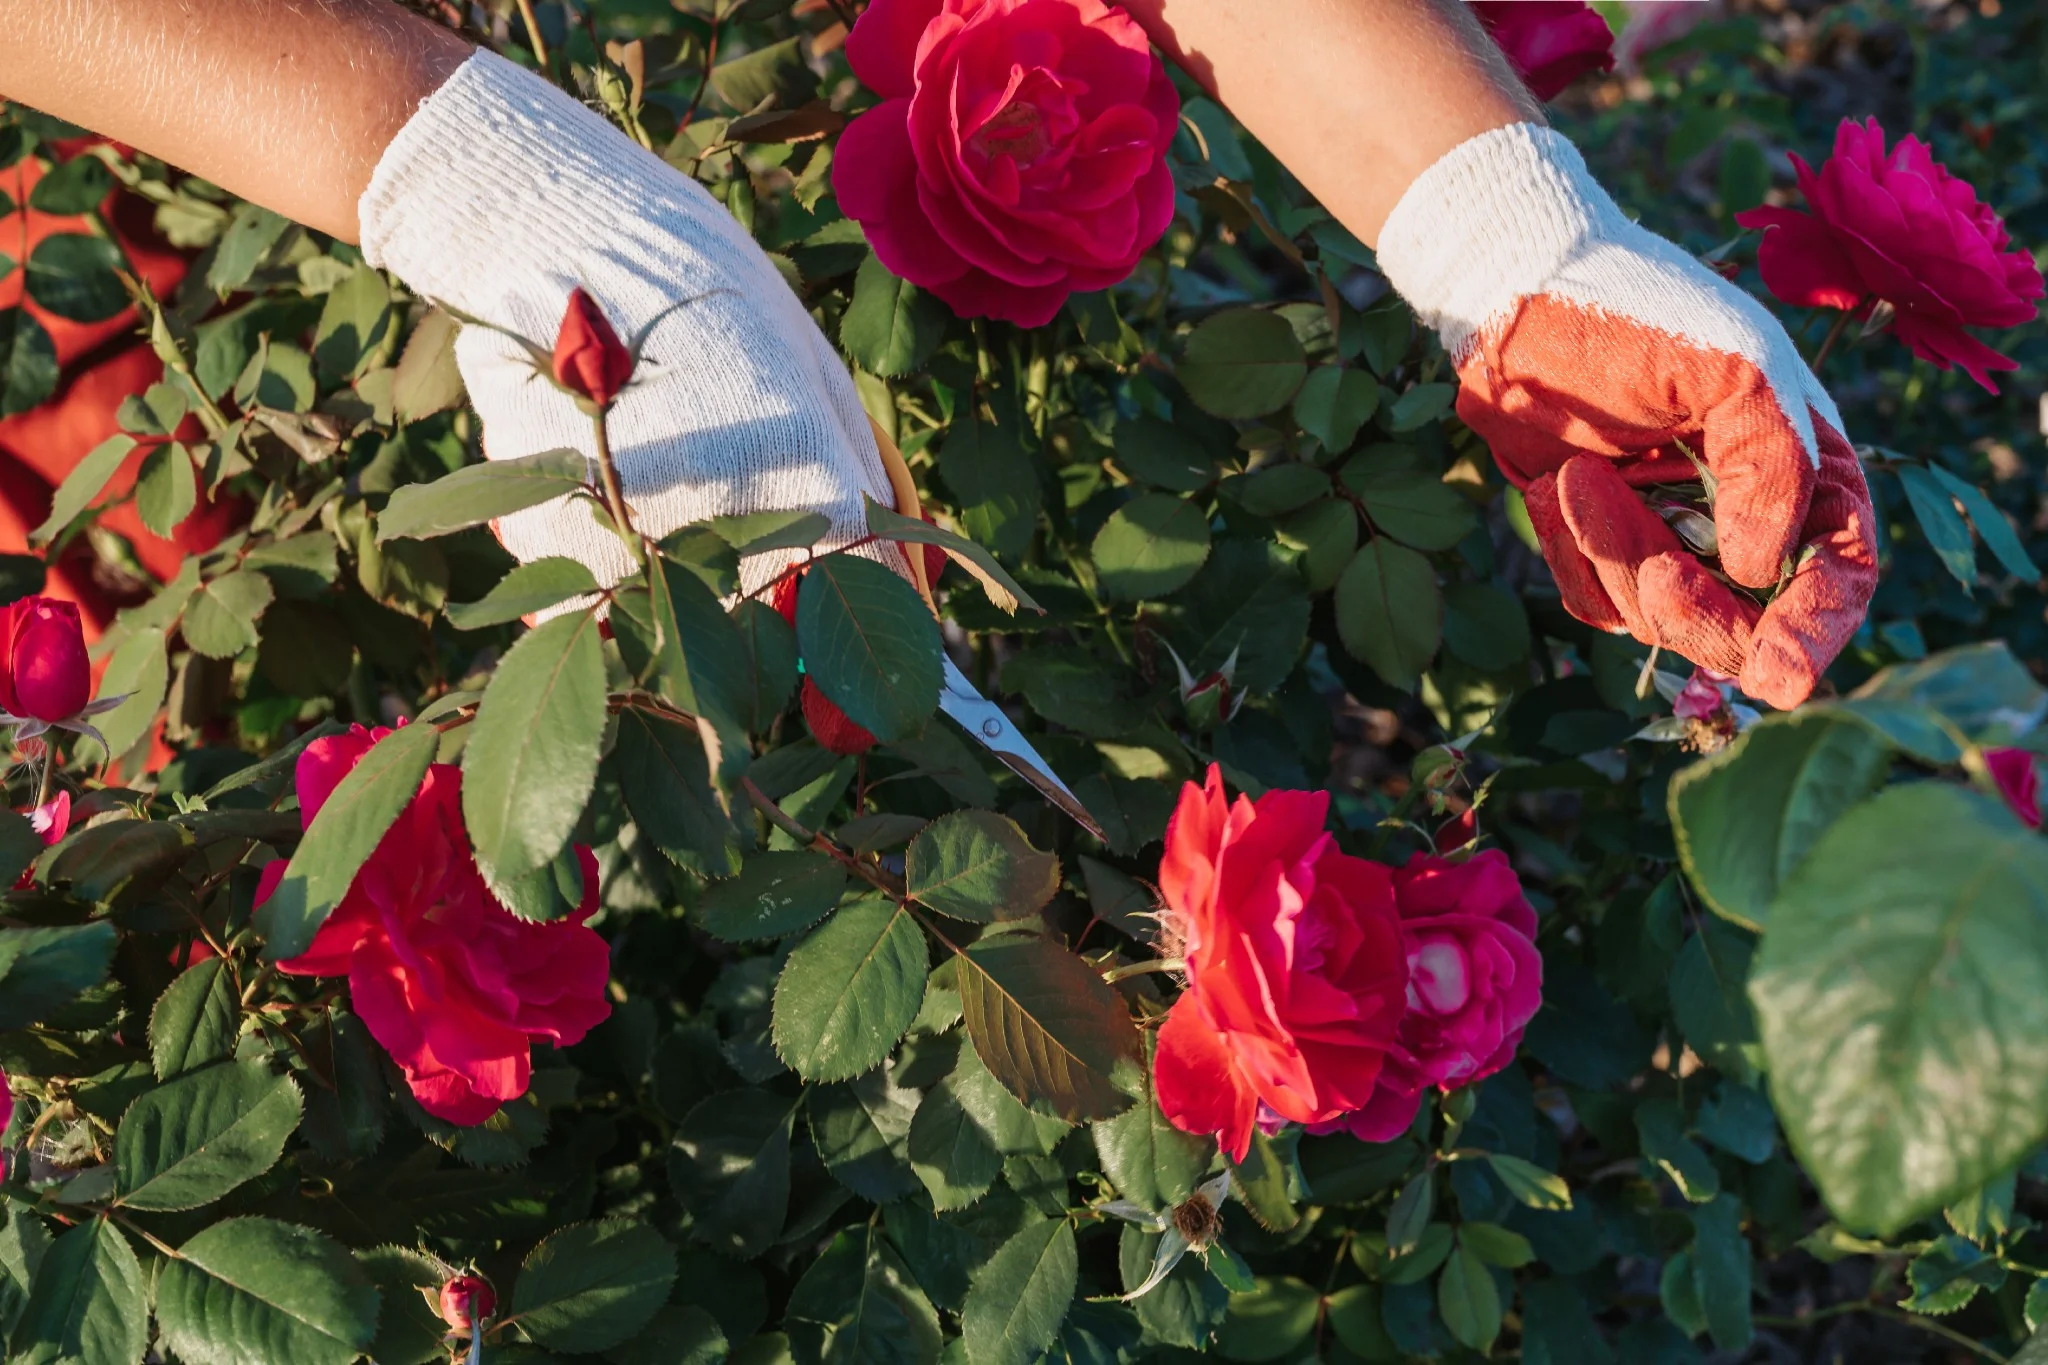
pixel 1295 974
pixel 1475 981
pixel 1550 43
pixel 1898 228
pixel 1018 153
pixel 46 675
pixel 590 360
pixel 465 1299
pixel 2018 781
pixel 455 986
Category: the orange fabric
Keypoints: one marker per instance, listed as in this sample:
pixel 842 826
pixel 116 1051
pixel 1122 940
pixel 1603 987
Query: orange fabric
pixel 1582 407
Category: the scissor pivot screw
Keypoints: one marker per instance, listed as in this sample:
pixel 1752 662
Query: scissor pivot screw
pixel 991 727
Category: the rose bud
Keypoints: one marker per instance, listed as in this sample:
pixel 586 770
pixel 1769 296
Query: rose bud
pixel 465 1299
pixel 46 675
pixel 590 360
pixel 1212 699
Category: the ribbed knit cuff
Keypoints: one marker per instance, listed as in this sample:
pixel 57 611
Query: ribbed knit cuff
pixel 1494 219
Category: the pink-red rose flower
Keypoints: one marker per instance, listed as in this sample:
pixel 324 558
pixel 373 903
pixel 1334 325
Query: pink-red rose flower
pixel 1475 981
pixel 465 1299
pixel 51 821
pixel 452 984
pixel 45 675
pixel 1550 43
pixel 1898 228
pixel 590 361
pixel 1295 973
pixel 2018 780
pixel 1018 153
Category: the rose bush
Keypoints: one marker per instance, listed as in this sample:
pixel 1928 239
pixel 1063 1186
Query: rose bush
pixel 676 983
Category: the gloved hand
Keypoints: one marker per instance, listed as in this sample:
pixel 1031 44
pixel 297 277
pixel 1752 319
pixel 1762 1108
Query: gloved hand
pixel 1588 349
pixel 500 196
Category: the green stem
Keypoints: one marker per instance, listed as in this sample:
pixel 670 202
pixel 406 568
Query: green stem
pixel 614 497
pixel 1827 342
pixel 1157 964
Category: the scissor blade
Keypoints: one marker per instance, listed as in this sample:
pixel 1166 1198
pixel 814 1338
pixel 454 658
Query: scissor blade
pixel 985 723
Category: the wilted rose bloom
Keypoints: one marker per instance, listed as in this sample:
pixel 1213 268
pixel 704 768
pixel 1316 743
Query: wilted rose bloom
pixel 465 1299
pixel 51 821
pixel 1550 43
pixel 1475 981
pixel 46 674
pixel 1701 698
pixel 453 985
pixel 2018 781
pixel 1018 153
pixel 1295 973
pixel 590 360
pixel 1898 228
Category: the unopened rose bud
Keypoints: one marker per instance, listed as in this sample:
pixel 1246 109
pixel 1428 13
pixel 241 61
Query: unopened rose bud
pixel 465 1300
pixel 46 674
pixel 1209 702
pixel 590 360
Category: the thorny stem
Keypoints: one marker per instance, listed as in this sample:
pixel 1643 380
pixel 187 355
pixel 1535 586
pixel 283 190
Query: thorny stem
pixel 1948 1334
pixel 704 83
pixel 1827 343
pixel 49 770
pixel 812 839
pixel 533 38
pixel 614 498
pixel 1157 964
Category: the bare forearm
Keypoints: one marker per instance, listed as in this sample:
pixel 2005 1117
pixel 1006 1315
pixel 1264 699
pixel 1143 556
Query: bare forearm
pixel 1356 97
pixel 286 102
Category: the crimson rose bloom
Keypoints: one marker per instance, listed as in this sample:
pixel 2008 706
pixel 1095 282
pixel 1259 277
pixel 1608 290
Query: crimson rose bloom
pixel 45 674
pixel 1294 965
pixel 2018 781
pixel 1018 153
pixel 1898 228
pixel 1550 43
pixel 455 986
pixel 1474 983
pixel 590 360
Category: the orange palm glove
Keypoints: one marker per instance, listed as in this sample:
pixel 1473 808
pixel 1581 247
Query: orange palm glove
pixel 1589 351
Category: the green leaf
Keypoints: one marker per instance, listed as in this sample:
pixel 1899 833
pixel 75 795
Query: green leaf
pixel 1710 1001
pixel 1326 534
pixel 775 894
pixel 1660 1125
pixel 730 1167
pixel 1186 1307
pixel 1466 1297
pixel 72 187
pixel 705 553
pixel 777 71
pixel 1721 1272
pixel 1277 489
pixel 1948 1274
pixel 677 638
pixel 220 619
pixel 1334 403
pixel 1354 1315
pixel 427 380
pixel 1530 1183
pixel 252 1291
pixel 355 320
pixel 1484 626
pixel 479 493
pixel 995 580
pixel 1150 547
pixel 678 1334
pixel 1980 690
pixel 342 837
pixel 1242 363
pixel 870 643
pixel 1947 533
pixel 1420 406
pixel 87 1304
pixel 1019 1297
pixel 1389 611
pixel 849 991
pixel 858 1304
pixel 1415 508
pixel 20 846
pixel 529 588
pixel 28 364
pixel 73 275
pixel 409 1330
pixel 949 1150
pixel 84 483
pixel 994 484
pixel 532 755
pixel 1046 1025
pixel 1495 1245
pixel 165 489
pixel 758 533
pixel 1272 1322
pixel 890 327
pixel 196 1019
pixel 1745 816
pixel 248 239
pixel 194 1138
pixel 666 778
pixel 1992 525
pixel 770 662
pixel 1002 1118
pixel 1148 1160
pixel 1164 455
pixel 977 866
pixel 861 1129
pixel 1408 1216
pixel 41 969
pixel 1903 999
pixel 593 1285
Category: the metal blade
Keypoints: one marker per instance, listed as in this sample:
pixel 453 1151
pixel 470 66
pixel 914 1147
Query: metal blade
pixel 985 723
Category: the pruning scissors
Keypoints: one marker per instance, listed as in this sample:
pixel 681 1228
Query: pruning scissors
pixel 981 718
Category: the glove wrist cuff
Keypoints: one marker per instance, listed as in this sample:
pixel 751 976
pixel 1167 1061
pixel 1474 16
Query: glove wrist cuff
pixel 1490 223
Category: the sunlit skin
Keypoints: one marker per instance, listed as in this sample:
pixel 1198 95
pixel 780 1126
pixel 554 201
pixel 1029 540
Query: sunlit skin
pixel 290 102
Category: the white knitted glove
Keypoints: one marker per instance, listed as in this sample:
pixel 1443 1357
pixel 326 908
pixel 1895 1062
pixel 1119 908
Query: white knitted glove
pixel 1589 351
pixel 502 194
